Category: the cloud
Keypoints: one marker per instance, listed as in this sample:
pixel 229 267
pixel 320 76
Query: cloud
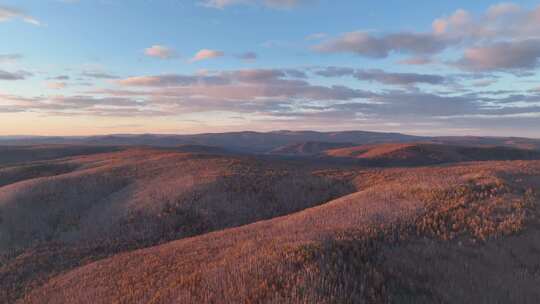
pixel 460 19
pixel 418 60
pixel 503 38
pixel 513 56
pixel 78 102
pixel 9 57
pixel 19 75
pixel 289 94
pixel 316 36
pixel 335 72
pixel 56 85
pixel 98 75
pixel 205 54
pixel 248 56
pixel 272 96
pixel 172 80
pixel 500 21
pixel 398 78
pixel 10 13
pixel 269 3
pixel 79 105
pixel 160 51
pixel 254 84
pixel 484 82
pixel 60 77
pixel 377 75
pixel 246 76
pixel 373 46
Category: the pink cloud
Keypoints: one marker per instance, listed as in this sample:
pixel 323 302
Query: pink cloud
pixel 160 51
pixel 205 54
pixel 56 85
pixel 515 55
pixel 381 46
pixel 269 3
pixel 9 13
pixel 416 61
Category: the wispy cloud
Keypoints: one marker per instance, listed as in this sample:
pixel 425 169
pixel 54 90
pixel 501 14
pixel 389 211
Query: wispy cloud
pixel 60 77
pixel 10 13
pixel 248 56
pixel 19 75
pixel 98 75
pixel 9 57
pixel 377 75
pixel 206 54
pixel 56 85
pixel 292 96
pixel 417 60
pixel 373 46
pixel 269 3
pixel 317 36
pixel 160 51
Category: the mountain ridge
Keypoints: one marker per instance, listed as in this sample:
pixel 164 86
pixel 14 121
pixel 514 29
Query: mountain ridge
pixel 265 142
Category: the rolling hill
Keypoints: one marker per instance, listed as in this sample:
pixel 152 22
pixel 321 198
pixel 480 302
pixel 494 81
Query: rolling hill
pixel 202 224
pixel 415 154
pixel 100 204
pixel 416 235
pixel 308 148
pixel 21 154
pixel 265 142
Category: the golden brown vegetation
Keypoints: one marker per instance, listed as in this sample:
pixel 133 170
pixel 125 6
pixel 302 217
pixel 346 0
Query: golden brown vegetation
pixel 418 154
pixel 67 213
pixel 155 226
pixel 409 235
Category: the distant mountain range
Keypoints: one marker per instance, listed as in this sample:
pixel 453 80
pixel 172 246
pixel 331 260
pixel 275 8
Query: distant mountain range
pixel 276 142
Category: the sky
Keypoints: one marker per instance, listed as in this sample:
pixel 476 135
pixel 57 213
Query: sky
pixel 85 67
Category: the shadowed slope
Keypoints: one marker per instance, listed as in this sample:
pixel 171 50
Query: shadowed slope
pixel 136 192
pixel 308 148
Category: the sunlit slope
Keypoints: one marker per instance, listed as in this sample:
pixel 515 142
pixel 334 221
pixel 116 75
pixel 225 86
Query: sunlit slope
pixel 21 154
pixel 417 154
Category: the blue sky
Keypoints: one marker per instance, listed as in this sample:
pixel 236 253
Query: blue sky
pixel 81 67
